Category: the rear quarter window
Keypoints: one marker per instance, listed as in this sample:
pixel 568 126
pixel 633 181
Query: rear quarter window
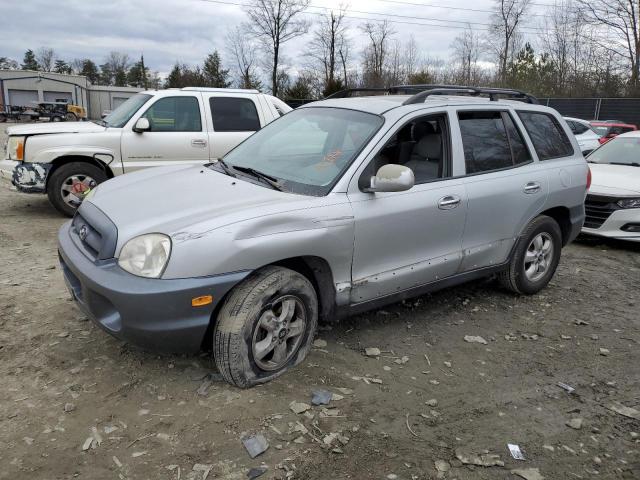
pixel 547 136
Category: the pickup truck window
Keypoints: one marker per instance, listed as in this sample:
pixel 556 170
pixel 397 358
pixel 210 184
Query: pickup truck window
pixel 121 115
pixel 308 149
pixel 175 114
pixel 234 114
pixel 547 136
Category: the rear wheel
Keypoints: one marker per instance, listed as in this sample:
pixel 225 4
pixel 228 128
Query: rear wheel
pixel 69 183
pixel 265 326
pixel 71 117
pixel 535 258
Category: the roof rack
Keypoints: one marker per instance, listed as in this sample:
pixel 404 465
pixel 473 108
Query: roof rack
pixel 421 92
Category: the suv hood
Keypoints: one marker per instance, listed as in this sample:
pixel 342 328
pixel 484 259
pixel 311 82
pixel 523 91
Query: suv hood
pixel 614 180
pixel 55 127
pixel 171 199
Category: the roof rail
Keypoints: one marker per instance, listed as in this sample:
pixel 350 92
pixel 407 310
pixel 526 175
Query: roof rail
pixel 350 91
pixel 228 90
pixel 492 93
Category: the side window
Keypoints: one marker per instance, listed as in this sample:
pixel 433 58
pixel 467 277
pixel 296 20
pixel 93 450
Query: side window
pixel 546 134
pixel 422 145
pixel 234 114
pixel 519 150
pixel 175 114
pixel 485 141
pixel 572 126
pixel 579 128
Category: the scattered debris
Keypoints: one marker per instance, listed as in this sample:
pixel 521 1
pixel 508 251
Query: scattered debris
pixel 551 448
pixel 345 391
pixel 255 445
pixel 372 352
pixel 528 473
pixel 575 423
pixel 401 361
pixel 299 407
pixel 624 411
pixel 515 451
pixel 321 397
pixel 69 407
pixel 447 364
pixel 139 454
pixel 566 388
pixel 604 352
pixel 386 368
pixel 117 461
pixel 256 472
pixel 484 460
pixel 581 322
pixel 319 343
pixel 205 469
pixel 408 426
pixel 442 465
pixel 432 402
pixel 475 339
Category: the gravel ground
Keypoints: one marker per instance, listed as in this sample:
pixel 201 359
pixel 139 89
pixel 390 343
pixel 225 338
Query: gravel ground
pixel 429 406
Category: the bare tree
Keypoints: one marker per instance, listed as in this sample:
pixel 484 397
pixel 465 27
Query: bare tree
pixel 376 52
pixel 467 48
pixel 243 50
pixel 507 18
pixel 275 22
pixel 411 57
pixel 46 59
pixel 327 42
pixel 621 22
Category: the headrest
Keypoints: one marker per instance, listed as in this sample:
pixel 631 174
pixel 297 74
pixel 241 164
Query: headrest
pixel 421 129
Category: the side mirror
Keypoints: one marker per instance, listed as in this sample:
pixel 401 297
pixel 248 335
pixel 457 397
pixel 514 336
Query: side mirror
pixel 392 178
pixel 142 125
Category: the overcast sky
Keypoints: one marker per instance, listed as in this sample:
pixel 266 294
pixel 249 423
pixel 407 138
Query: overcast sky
pixel 166 31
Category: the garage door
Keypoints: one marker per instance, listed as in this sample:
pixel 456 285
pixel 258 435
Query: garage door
pixel 22 98
pixel 55 96
pixel 117 101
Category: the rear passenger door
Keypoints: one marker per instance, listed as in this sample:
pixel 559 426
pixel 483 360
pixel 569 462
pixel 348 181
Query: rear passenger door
pixel 505 186
pixel 232 118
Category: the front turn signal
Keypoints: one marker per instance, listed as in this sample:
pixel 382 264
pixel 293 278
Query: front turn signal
pixel 202 301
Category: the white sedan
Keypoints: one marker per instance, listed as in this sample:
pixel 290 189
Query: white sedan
pixel 587 137
pixel 613 201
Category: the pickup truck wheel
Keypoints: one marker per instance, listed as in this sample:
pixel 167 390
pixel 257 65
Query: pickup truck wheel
pixel 535 258
pixel 71 117
pixel 68 183
pixel 265 326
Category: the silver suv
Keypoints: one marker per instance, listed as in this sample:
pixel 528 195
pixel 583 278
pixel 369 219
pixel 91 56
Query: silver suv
pixel 337 207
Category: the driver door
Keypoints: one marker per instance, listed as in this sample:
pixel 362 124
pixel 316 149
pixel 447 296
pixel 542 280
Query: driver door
pixel 411 238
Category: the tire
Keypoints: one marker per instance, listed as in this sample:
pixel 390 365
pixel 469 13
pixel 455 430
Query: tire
pixel 86 173
pixel 71 117
pixel 240 329
pixel 522 276
pixel 56 119
pixel 3 118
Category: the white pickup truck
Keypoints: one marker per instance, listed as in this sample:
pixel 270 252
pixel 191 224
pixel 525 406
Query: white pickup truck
pixel 152 128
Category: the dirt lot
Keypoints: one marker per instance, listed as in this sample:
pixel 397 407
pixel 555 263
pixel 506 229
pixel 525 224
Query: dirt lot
pixel 435 397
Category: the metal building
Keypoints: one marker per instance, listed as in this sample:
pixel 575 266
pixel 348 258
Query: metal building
pixel 22 87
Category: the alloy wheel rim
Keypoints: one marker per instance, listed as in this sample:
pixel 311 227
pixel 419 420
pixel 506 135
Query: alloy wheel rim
pixel 537 258
pixel 74 187
pixel 279 333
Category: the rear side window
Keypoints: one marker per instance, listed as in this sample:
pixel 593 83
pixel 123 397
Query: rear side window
pixel 175 114
pixel 491 141
pixel 234 114
pixel 547 135
pixel 579 128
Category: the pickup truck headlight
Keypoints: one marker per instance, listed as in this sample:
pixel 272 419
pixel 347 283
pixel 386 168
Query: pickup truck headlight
pixel 15 148
pixel 629 203
pixel 146 255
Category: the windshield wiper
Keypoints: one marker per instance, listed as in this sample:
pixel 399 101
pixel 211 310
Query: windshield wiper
pixel 263 176
pixel 225 167
pixel 630 164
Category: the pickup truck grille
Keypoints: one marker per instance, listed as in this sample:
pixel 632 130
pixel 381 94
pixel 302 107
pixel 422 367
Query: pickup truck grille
pixel 95 232
pixel 598 209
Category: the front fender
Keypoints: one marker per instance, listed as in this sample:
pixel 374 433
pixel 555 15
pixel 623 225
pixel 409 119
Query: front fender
pixel 104 154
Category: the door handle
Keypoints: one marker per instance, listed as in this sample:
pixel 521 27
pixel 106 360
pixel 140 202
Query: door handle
pixel 448 202
pixel 198 143
pixel 532 187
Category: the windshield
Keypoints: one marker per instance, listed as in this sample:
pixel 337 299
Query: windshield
pixel 307 150
pixel 600 130
pixel 121 115
pixel 620 150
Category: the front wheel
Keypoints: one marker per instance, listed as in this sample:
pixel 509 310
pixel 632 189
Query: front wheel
pixel 265 326
pixel 535 258
pixel 71 117
pixel 69 183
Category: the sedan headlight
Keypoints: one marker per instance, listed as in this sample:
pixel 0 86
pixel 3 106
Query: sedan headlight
pixel 146 255
pixel 629 203
pixel 15 148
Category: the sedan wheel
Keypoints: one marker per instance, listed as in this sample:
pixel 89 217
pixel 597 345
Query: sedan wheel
pixel 538 257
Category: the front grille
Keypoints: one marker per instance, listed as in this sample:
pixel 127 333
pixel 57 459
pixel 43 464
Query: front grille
pixel 598 209
pixel 94 231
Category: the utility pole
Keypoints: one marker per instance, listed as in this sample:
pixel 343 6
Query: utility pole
pixel 144 72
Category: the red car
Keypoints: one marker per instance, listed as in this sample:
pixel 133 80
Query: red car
pixel 608 130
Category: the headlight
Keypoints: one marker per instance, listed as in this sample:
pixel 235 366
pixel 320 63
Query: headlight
pixel 629 203
pixel 146 255
pixel 15 148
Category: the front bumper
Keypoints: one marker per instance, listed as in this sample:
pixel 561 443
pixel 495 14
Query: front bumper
pixel 612 226
pixel 155 314
pixel 26 177
pixel 6 172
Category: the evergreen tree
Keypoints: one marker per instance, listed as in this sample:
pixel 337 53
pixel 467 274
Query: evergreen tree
pixel 29 62
pixel 120 78
pixel 214 75
pixel 90 70
pixel 138 75
pixel 61 67
pixel 302 89
pixel 174 79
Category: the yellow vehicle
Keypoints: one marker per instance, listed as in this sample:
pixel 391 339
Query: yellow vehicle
pixel 58 111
